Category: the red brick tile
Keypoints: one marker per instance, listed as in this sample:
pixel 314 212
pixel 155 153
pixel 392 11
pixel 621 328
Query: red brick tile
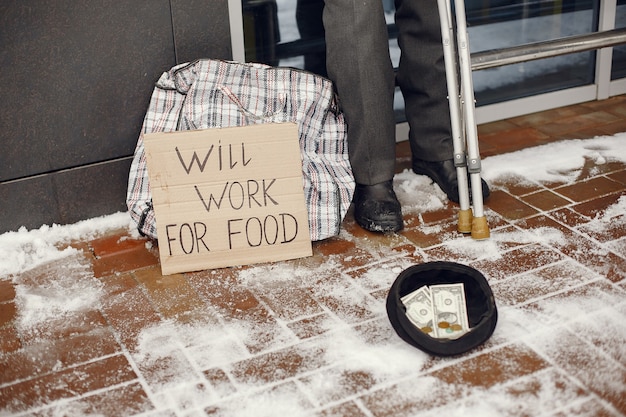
pixel 548 116
pixel 278 365
pixel 426 236
pixel 233 301
pixel 510 207
pixel 568 217
pixel 619 247
pixel 619 176
pixel 448 213
pixel 517 261
pixel 127 309
pixel 591 168
pixel 591 407
pixel 345 409
pixel 539 283
pixel 514 140
pixel 67 325
pixel 578 122
pixel 584 133
pixel 605 231
pixel 448 250
pixel 545 200
pixel 287 392
pixel 584 301
pixel 126 400
pixel 347 383
pixel 403 150
pixel 610 343
pixel 55 355
pixel 487 149
pixel 516 185
pixel 8 313
pixel 583 250
pixel 616 105
pixel 172 295
pixel 7 291
pixel 586 190
pixel 494 367
pixel 163 369
pixel 333 245
pixel 219 381
pixel 9 340
pixel 329 290
pixel 495 127
pixel 66 384
pixel 118 254
pixel 597 206
pixel 116 243
pixel 374 247
pixel 221 290
pixel 598 373
pixel 311 326
pixel 289 302
pixel 354 258
pixel 615 127
pixel 395 401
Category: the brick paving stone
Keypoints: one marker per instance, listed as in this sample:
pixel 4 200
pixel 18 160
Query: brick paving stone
pixel 232 341
pixel 65 384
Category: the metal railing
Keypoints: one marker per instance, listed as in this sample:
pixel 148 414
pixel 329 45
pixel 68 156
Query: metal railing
pixel 546 49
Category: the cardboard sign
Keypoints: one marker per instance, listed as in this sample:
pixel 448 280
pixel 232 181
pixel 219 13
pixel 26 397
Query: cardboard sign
pixel 226 197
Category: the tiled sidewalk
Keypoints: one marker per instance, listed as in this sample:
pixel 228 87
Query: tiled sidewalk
pixel 277 339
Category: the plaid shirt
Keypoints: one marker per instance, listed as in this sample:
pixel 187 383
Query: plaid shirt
pixel 214 93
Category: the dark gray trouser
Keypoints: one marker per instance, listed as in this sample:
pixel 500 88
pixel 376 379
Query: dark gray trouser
pixel 358 62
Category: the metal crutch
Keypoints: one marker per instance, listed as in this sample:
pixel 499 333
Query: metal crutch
pixel 463 123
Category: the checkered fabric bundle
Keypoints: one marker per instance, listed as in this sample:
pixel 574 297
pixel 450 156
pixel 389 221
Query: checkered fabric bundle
pixel 214 93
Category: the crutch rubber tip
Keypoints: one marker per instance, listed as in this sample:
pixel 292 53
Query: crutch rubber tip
pixel 480 229
pixel 465 221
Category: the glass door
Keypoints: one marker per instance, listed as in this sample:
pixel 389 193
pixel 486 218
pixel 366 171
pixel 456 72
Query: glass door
pixel 290 33
pixel 618 68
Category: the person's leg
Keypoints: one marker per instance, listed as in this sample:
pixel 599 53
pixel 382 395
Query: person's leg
pixel 357 59
pixel 358 62
pixel 422 79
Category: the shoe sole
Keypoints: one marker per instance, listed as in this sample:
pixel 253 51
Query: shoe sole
pixel 381 226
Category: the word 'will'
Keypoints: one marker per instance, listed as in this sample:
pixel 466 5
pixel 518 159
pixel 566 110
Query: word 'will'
pixel 224 159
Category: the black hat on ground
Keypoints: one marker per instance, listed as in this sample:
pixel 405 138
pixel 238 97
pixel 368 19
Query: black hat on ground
pixel 481 306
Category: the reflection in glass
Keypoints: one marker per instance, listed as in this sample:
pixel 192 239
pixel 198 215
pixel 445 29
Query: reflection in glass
pixel 533 22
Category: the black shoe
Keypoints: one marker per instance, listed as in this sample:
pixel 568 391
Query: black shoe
pixel 376 207
pixel 444 174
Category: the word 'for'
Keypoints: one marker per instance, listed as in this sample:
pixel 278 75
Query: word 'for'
pixel 251 232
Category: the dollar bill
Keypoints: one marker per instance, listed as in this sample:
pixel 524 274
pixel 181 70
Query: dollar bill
pixel 449 310
pixel 419 310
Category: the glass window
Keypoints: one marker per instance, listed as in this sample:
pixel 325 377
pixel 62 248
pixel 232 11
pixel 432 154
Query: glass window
pixel 504 24
pixel 290 33
pixel 618 69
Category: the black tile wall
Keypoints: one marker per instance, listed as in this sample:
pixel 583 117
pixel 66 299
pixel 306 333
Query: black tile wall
pixel 76 81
